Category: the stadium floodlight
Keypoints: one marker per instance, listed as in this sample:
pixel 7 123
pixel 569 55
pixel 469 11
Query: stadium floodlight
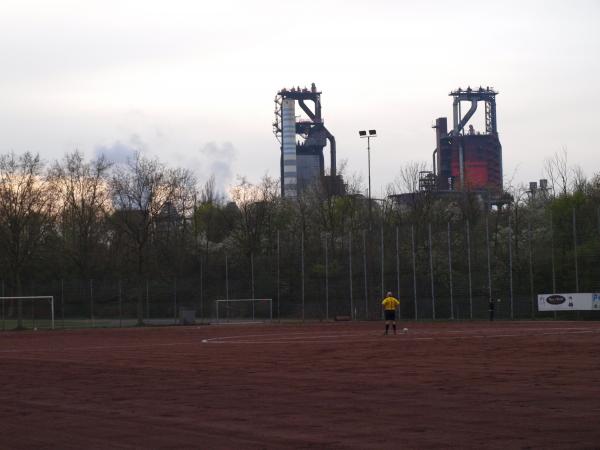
pixel 33 299
pixel 244 309
pixel 372 134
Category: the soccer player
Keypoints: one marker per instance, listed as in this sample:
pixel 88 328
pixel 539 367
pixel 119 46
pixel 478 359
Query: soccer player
pixel 389 305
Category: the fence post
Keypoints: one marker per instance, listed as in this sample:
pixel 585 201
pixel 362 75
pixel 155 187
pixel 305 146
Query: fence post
pixel 33 312
pixel 326 281
pixel 510 268
pixel 531 291
pixel 469 270
pixel 278 278
pixel 552 254
pixel 252 275
pixel 398 271
pixel 414 264
pixel 382 270
pixel 431 273
pixel 62 299
pixel 92 303
pixel 147 299
pixel 226 279
pixel 252 282
pixel 52 311
pixel 3 312
pixel 201 290
pixel 364 236
pixel 302 265
pixel 489 257
pixel 175 301
pixel 450 274
pixel 352 315
pixel 575 250
pixel 121 303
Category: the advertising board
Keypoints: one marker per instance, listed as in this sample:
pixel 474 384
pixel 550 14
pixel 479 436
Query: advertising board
pixel 569 302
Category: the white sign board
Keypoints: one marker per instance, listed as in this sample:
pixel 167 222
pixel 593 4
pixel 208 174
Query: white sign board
pixel 596 302
pixel 569 302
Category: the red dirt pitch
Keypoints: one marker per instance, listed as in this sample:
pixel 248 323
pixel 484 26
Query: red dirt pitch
pixel 333 386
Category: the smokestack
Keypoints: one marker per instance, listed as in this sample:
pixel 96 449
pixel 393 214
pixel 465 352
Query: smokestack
pixel 441 131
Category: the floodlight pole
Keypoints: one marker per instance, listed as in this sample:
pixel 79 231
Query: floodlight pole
pixel 368 134
pixel 369 165
pixel 369 170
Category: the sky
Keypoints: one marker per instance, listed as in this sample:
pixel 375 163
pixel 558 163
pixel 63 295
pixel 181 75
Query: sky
pixel 193 82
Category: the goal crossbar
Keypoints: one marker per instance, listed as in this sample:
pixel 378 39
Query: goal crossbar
pixel 247 300
pixel 50 298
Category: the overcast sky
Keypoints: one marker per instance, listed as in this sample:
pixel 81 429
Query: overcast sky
pixel 193 82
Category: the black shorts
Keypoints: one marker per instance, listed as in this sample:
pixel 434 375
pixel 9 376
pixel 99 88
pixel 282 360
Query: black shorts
pixel 390 314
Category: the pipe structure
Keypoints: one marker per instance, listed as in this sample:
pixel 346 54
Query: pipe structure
pixel 303 141
pixel 460 124
pixel 309 113
pixel 455 113
pixel 332 152
pixel 316 117
pixel 461 164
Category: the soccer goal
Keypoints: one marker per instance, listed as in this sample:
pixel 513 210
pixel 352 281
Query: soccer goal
pixel 244 310
pixel 36 311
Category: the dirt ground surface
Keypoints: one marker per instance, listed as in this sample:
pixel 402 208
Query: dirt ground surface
pixel 306 386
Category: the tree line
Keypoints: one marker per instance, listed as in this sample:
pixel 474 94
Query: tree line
pixel 76 218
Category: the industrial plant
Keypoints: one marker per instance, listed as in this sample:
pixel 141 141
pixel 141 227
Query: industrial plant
pixel 464 159
pixel 471 160
pixel 303 140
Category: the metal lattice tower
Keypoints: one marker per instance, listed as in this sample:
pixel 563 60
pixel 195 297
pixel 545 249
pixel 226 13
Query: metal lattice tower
pixel 302 141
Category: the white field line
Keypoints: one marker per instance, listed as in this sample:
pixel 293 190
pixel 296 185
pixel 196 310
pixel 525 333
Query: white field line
pixel 519 329
pixel 371 338
pixel 305 337
pixel 98 347
pixel 253 322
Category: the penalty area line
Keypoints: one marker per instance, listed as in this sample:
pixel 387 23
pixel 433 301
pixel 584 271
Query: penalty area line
pixel 402 337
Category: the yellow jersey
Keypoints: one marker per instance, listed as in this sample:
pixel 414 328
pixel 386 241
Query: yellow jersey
pixel 390 303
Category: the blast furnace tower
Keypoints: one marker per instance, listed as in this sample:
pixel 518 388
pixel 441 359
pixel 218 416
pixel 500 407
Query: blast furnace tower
pixel 302 142
pixel 471 160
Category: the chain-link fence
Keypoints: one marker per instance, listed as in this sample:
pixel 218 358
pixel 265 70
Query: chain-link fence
pixel 441 270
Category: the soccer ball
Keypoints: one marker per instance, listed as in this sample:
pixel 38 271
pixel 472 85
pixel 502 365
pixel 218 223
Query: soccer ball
pixel 405 330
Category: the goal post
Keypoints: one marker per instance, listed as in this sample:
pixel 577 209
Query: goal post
pixel 244 309
pixel 33 299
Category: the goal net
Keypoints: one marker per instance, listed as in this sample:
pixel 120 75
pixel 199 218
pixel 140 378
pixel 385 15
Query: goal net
pixel 34 311
pixel 244 310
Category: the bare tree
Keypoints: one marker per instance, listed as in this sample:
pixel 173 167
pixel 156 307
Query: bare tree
pixel 83 188
pixel 146 196
pixel 208 193
pixel 209 216
pixel 407 180
pixel 256 205
pixel 579 180
pixel 27 206
pixel 172 232
pixel 556 170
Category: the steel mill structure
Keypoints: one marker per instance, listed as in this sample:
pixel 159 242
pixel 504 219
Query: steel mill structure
pixel 465 159
pixel 302 143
